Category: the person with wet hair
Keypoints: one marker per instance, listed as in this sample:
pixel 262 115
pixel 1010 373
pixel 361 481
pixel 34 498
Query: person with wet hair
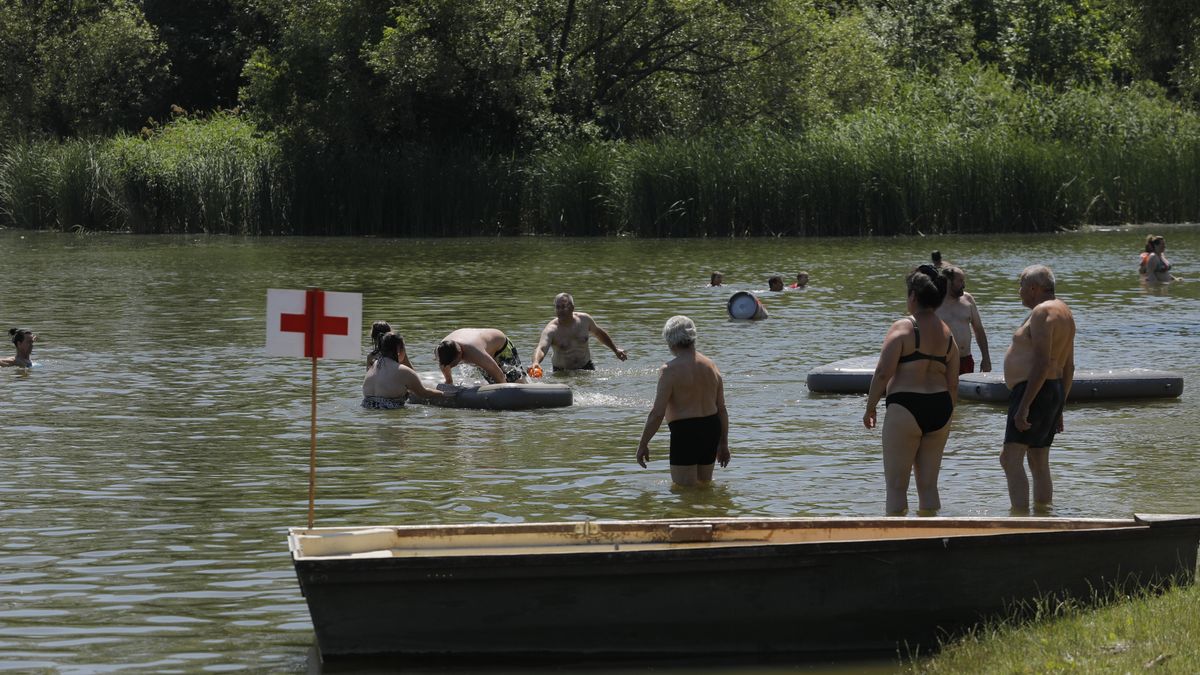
pixel 918 372
pixel 716 279
pixel 389 381
pixel 691 398
pixel 1155 265
pixel 488 349
pixel 801 281
pixel 775 283
pixel 22 339
pixel 378 330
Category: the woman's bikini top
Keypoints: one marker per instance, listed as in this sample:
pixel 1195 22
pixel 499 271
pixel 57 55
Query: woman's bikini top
pixel 918 354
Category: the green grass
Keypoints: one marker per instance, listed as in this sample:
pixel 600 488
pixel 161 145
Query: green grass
pixel 1144 633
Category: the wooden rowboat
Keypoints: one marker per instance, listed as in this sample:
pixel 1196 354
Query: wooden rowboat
pixel 661 588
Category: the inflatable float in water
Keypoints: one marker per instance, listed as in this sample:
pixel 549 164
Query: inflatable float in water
pixel 853 376
pixel 848 376
pixel 502 397
pixel 1087 385
pixel 746 306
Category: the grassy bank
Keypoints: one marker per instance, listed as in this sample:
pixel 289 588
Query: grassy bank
pixel 1154 632
pixel 950 156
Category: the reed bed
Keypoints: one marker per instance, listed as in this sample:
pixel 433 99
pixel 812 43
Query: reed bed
pixel 879 172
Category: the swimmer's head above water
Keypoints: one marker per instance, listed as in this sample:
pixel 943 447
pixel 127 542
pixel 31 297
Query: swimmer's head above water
pixel 448 353
pixel 679 332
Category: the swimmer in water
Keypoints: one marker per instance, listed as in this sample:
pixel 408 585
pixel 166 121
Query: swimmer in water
pixel 22 339
pixel 388 381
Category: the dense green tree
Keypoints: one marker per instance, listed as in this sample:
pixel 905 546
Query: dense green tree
pixel 207 44
pixel 522 69
pixel 78 67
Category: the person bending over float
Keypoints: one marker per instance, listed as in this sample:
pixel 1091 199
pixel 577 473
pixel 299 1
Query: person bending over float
pixel 918 368
pixel 691 397
pixel 567 333
pixel 22 339
pixel 389 380
pixel 488 349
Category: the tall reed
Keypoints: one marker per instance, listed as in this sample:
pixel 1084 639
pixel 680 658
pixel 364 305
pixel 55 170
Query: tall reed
pixel 954 155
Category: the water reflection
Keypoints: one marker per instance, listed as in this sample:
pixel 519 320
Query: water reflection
pixel 151 461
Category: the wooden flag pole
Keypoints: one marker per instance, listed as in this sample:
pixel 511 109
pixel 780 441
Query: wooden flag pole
pixel 312 449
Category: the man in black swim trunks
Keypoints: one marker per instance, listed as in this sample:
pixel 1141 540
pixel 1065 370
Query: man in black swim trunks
pixel 691 397
pixel 1038 369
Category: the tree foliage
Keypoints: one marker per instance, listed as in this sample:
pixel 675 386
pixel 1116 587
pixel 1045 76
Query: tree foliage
pixel 76 68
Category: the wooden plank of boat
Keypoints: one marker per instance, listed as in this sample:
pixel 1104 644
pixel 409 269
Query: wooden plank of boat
pixel 1088 385
pixel 506 396
pixel 848 376
pixel 700 587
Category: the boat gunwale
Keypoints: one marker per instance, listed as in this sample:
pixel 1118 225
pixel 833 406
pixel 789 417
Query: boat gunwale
pixel 659 534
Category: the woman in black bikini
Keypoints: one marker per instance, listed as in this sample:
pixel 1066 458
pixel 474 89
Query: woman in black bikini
pixel 918 368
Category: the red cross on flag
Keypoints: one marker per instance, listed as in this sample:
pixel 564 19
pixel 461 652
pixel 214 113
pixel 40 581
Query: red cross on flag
pixel 314 324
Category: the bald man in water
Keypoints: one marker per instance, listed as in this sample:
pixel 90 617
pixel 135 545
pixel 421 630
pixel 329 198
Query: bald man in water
pixel 1038 369
pixel 567 333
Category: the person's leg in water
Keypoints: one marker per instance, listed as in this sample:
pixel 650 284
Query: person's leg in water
pixel 926 468
pixel 901 440
pixel 1039 471
pixel 1012 458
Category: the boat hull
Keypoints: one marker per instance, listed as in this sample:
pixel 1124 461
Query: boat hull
pixel 684 599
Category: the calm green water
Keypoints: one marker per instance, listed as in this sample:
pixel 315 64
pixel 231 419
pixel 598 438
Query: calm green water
pixel 152 460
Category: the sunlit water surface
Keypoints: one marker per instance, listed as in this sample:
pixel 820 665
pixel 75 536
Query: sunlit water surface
pixel 152 460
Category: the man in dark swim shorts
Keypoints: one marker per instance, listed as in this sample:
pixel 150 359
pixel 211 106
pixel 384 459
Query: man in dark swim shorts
pixel 694 440
pixel 1038 369
pixel 691 397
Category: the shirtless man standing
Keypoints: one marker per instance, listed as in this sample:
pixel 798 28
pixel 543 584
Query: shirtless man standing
pixel 958 311
pixel 1038 369
pixel 691 397
pixel 567 333
pixel 489 349
pixel 389 380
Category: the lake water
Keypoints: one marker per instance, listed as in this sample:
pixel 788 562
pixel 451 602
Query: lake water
pixel 152 460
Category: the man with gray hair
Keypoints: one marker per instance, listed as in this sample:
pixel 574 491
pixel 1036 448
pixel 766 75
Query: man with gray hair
pixel 1038 369
pixel 691 398
pixel 567 333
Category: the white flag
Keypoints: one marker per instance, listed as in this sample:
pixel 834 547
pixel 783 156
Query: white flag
pixel 314 324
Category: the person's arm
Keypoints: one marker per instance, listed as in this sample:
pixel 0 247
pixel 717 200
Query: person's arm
pixel 952 359
pixel 446 371
pixel 985 359
pixel 1068 377
pixel 543 346
pixel 415 386
pixel 885 370
pixel 476 356
pixel 654 420
pixel 723 414
pixel 604 339
pixel 1040 334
